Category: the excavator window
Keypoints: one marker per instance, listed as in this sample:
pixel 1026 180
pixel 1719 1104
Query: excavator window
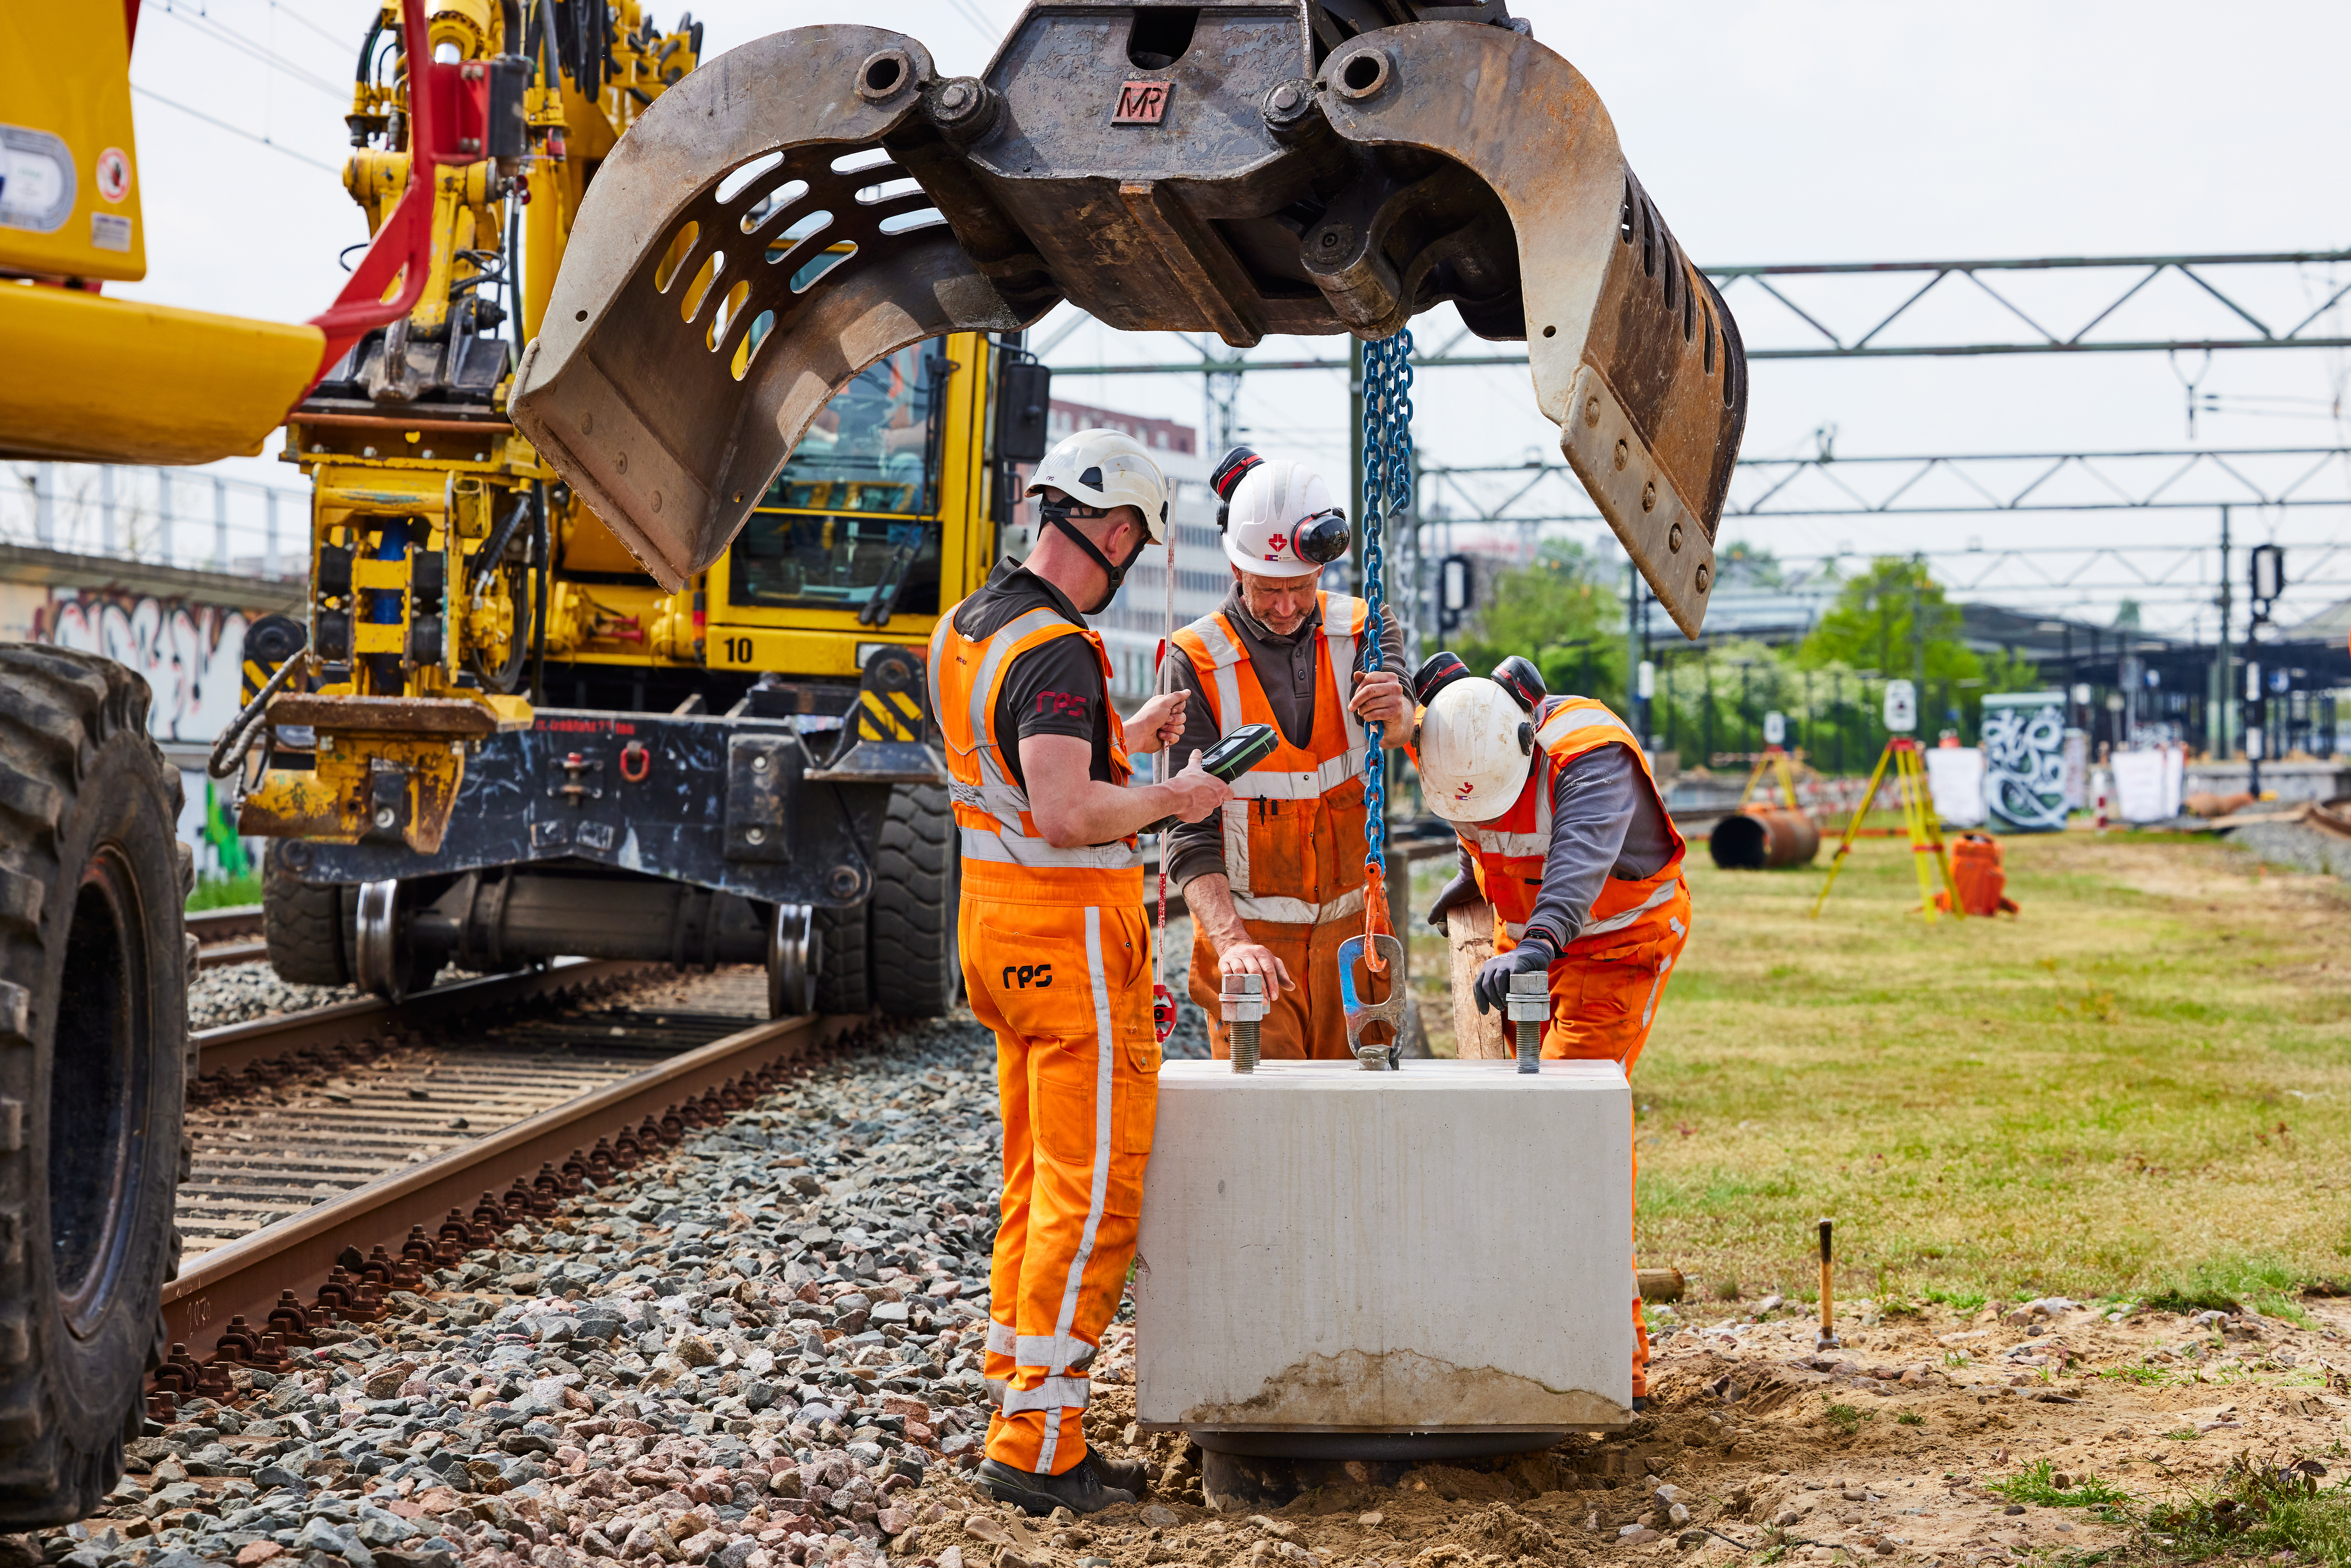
pixel 856 510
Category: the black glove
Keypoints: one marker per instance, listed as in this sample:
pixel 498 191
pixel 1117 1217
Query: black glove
pixel 1462 888
pixel 1493 982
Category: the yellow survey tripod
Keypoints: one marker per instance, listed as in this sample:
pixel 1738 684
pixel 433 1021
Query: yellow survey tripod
pixel 1918 825
pixel 1774 759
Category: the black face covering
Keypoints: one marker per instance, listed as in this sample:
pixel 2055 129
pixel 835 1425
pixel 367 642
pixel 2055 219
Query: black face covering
pixel 1057 515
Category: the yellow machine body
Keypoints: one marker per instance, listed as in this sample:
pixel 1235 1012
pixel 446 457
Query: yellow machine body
pixel 69 163
pixel 93 380
pixel 90 379
pixel 896 481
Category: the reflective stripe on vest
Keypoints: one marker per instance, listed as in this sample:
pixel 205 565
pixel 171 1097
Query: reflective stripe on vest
pixel 1510 857
pixel 979 780
pixel 1336 749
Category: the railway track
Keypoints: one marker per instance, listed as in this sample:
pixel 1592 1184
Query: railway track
pixel 338 1154
pixel 231 935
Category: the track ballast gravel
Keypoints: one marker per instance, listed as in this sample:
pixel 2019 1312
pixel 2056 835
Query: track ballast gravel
pixel 762 1348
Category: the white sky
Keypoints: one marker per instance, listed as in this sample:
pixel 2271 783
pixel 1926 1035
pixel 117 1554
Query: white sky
pixel 1766 133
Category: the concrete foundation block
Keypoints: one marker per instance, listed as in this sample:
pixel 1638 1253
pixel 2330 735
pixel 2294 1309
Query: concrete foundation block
pixel 1435 1262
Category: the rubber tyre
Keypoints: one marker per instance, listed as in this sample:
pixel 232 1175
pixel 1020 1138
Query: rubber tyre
pixel 840 937
pixel 307 929
pixel 93 885
pixel 911 943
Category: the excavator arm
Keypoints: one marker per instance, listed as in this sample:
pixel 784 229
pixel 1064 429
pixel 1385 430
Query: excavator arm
pixel 802 206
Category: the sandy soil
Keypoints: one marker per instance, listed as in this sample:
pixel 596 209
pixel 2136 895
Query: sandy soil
pixel 1882 1449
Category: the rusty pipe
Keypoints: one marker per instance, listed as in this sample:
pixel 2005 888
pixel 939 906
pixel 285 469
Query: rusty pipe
pixel 1759 839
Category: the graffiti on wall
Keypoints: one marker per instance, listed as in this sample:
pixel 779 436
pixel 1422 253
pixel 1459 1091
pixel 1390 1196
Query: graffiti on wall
pixel 189 653
pixel 2025 761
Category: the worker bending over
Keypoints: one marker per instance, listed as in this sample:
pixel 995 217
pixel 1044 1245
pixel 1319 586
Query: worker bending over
pixel 1564 834
pixel 1056 953
pixel 1276 882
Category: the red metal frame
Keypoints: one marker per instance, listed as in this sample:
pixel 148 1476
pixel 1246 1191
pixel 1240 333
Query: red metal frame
pixel 438 99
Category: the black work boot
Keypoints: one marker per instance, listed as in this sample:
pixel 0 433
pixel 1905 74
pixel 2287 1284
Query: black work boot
pixel 1080 1489
pixel 1121 1475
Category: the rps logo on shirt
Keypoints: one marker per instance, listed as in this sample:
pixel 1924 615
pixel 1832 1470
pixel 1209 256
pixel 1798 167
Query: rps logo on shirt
pixel 1023 975
pixel 1062 705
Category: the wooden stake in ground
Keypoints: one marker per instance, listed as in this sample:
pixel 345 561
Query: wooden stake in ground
pixel 1828 1338
pixel 1469 928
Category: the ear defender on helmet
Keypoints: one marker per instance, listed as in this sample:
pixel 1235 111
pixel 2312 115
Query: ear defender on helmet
pixel 1517 676
pixel 1320 539
pixel 1438 671
pixel 1226 478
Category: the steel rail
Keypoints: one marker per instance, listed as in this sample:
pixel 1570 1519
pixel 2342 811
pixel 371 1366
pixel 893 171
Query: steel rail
pixel 234 1046
pixel 232 924
pixel 246 1276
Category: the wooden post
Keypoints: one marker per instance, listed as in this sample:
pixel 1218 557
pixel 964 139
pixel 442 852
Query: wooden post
pixel 1469 927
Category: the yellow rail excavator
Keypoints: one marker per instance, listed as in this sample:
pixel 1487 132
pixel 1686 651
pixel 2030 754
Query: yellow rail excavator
pixel 670 403
pixel 496 738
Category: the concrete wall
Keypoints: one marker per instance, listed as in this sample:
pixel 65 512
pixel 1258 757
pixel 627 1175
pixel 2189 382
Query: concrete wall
pixel 182 631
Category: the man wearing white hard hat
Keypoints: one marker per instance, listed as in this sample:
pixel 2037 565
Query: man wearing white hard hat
pixel 1056 953
pixel 1275 882
pixel 1565 833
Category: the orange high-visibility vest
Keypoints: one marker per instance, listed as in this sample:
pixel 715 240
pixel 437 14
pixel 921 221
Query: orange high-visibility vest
pixel 1509 854
pixel 1004 856
pixel 1294 828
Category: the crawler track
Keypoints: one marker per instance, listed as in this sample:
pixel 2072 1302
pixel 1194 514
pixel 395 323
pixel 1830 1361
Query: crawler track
pixel 328 1159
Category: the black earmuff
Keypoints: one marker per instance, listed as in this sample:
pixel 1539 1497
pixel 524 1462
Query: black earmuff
pixel 1438 671
pixel 1321 538
pixel 1519 676
pixel 1226 478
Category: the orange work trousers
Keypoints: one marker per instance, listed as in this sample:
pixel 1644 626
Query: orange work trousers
pixel 1067 991
pixel 1304 1023
pixel 1601 1005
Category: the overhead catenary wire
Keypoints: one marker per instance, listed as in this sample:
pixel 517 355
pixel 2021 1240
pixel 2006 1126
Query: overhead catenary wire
pixel 292 15
pixel 236 129
pixel 206 26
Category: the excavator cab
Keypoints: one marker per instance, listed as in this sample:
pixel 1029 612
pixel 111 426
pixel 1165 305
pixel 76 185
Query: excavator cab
pixel 1240 166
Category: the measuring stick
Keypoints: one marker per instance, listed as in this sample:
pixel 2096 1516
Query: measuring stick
pixel 1828 1298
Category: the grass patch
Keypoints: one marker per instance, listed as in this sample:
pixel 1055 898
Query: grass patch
pixel 1909 1419
pixel 2145 1377
pixel 2258 1509
pixel 2229 1283
pixel 2127 1093
pixel 1847 1418
pixel 226 892
pixel 2037 1483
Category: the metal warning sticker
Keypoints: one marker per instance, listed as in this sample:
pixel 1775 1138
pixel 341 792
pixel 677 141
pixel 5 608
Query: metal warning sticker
pixel 1141 103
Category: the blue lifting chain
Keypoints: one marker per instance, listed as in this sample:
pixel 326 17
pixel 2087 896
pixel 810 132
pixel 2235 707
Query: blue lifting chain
pixel 1387 490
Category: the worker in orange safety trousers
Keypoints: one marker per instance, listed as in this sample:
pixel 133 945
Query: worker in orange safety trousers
pixel 1564 834
pixel 1056 953
pixel 1276 882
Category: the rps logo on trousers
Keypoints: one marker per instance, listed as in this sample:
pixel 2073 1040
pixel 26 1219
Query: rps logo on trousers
pixel 1023 975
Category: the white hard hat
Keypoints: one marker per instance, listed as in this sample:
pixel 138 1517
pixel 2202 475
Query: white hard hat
pixel 1474 742
pixel 1106 469
pixel 1272 506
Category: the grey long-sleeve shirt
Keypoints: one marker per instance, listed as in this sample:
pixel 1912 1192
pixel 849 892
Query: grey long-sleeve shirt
pixel 1286 668
pixel 1604 822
